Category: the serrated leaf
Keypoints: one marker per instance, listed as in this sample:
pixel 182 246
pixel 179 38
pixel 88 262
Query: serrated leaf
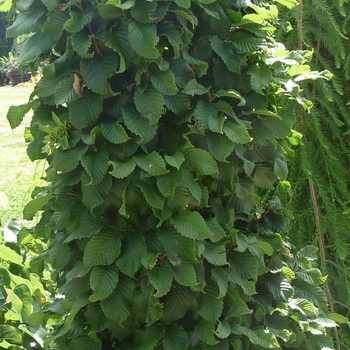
pixel 81 44
pixel 149 260
pixel 236 132
pixel 194 88
pixel 114 133
pixel 220 147
pixel 175 159
pixel 151 335
pixel 191 224
pixel 202 113
pixel 261 337
pixel 167 183
pixel 304 306
pixel 95 194
pixel 175 338
pixel 15 114
pixel 133 249
pixel 184 274
pixel 177 245
pixel 137 124
pixel 86 110
pixel 216 230
pixel 152 195
pixel 238 307
pixel 143 39
pixel 150 104
pixel 281 169
pixel 152 163
pixel 96 71
pixel 200 161
pixel 163 81
pixel 215 254
pixel 178 104
pixel 78 21
pixel 121 300
pixel 260 78
pixel 220 277
pixel 102 249
pixel 58 252
pixel 205 331
pixel 103 281
pixel 123 169
pixel 264 176
pixel 209 305
pixel 64 91
pixel 32 207
pixel 226 51
pixel 161 278
pixel 95 164
pixel 7 254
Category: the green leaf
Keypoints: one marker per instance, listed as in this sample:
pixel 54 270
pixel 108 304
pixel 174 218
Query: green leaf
pixel 64 91
pixel 220 147
pixel 152 195
pixel 261 337
pixel 152 163
pixel 133 249
pixel 114 133
pixel 177 245
pixel 103 281
pixel 151 335
pixel 121 300
pixel 150 104
pixel 82 42
pixel 220 277
pixel 192 185
pixel 178 104
pixel 11 334
pixel 96 71
pixel 78 21
pixel 143 39
pixel 175 338
pixel 226 51
pixel 40 42
pixel 209 305
pixel 194 88
pixel 26 22
pixel 10 255
pixel 215 254
pixel 260 78
pixel 205 331
pixel 281 169
pixel 184 274
pixel 163 81
pixel 102 249
pixel 200 161
pixel 59 252
pixel 149 260
pixel 16 114
pixel 287 3
pixel 123 169
pixel 167 183
pixel 304 306
pixel 311 276
pixel 264 176
pixel 161 278
pixel 32 207
pixel 191 224
pixel 237 306
pixel 95 164
pixel 86 110
pixel 95 194
pixel 137 124
pixel 175 160
pixel 236 132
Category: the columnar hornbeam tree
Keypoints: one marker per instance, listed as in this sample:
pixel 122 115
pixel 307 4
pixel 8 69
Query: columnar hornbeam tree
pixel 165 126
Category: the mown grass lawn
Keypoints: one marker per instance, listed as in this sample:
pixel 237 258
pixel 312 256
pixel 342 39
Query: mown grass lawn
pixel 18 174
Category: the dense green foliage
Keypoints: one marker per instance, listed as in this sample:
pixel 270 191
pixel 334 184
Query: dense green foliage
pixel 165 126
pixel 323 161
